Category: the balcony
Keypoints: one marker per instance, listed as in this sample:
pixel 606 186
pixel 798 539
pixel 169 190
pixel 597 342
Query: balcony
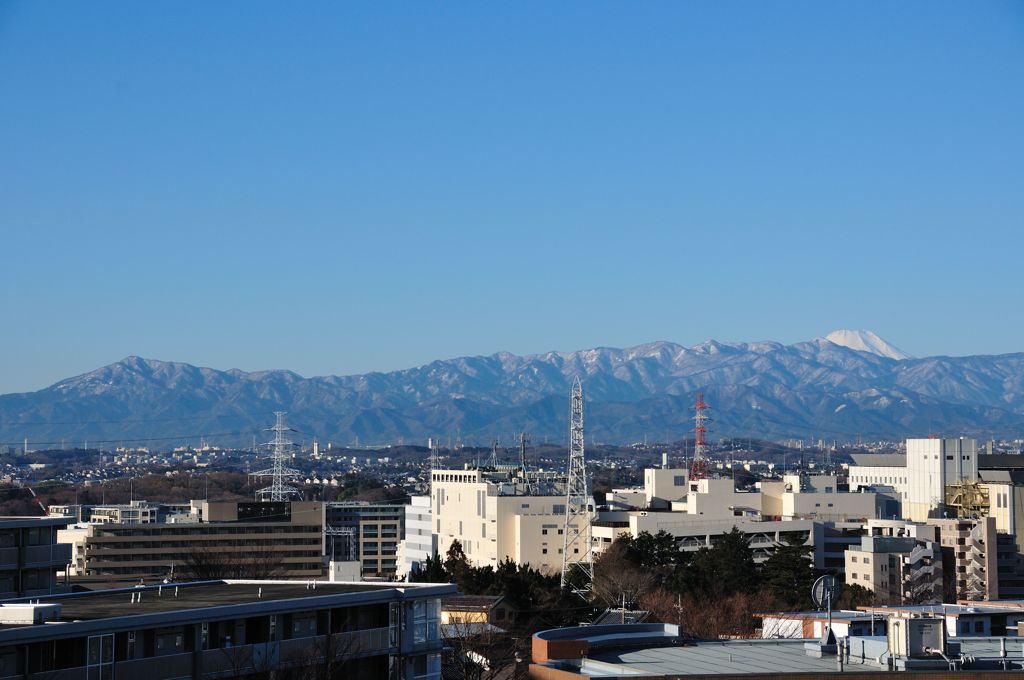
pixel 240 660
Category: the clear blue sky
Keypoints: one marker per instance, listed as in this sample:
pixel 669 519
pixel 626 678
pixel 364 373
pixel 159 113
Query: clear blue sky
pixel 346 187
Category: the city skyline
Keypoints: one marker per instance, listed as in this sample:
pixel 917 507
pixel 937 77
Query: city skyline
pixel 337 190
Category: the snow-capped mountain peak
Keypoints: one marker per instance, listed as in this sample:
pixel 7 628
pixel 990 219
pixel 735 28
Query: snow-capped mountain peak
pixel 866 341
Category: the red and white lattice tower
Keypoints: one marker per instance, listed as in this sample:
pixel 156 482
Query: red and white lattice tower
pixel 699 470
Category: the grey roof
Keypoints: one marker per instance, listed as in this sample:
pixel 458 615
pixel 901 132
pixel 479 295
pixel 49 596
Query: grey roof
pixel 173 604
pixel 879 459
pixel 1004 461
pixel 27 522
pixel 728 657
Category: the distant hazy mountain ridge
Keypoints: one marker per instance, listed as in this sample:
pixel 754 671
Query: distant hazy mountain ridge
pixel 847 384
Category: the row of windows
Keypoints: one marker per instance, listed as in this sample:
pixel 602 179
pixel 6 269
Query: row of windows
pixel 164 545
pixel 101 557
pixel 207 530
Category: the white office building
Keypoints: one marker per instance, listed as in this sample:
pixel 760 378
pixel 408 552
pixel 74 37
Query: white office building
pixel 419 541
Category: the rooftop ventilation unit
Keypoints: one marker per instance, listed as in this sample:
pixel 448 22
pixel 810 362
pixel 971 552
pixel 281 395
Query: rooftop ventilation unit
pixel 27 614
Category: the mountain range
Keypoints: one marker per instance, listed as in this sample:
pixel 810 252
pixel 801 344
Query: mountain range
pixel 846 385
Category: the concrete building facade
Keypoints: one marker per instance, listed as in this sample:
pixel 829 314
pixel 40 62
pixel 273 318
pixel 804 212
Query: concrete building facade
pixel 419 541
pixel 279 539
pixel 498 514
pixel 31 557
pixel 369 533
pixel 227 629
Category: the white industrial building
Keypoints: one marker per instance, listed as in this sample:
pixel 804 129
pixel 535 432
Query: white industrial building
pixel 921 476
pixel 499 514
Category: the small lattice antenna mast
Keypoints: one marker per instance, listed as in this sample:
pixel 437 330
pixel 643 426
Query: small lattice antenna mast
pixel 699 469
pixel 524 440
pixel 434 461
pixel 278 489
pixel 578 546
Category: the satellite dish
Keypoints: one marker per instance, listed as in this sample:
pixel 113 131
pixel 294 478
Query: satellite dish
pixel 825 592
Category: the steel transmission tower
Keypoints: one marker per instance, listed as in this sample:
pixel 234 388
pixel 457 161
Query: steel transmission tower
pixel 699 469
pixel 278 490
pixel 578 548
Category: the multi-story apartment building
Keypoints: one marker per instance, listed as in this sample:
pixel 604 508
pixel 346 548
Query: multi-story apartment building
pixel 369 533
pixel 282 539
pixel 902 569
pixel 227 629
pixel 30 556
pixel 136 512
pixel 499 514
pixel 829 540
pixel 969 558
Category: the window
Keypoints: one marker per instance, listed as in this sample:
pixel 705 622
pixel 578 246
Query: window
pixel 544 551
pixel 979 626
pixel 100 657
pixel 853 558
pixel 679 480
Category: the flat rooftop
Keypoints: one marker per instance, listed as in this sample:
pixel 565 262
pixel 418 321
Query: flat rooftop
pixel 134 601
pixel 23 522
pixel 727 657
pixel 758 657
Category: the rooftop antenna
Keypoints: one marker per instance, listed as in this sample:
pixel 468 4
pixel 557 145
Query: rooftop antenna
pixel 524 439
pixel 278 490
pixel 578 506
pixel 434 465
pixel 699 469
pixel 825 593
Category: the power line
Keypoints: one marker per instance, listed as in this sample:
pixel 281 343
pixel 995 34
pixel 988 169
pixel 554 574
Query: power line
pixel 142 439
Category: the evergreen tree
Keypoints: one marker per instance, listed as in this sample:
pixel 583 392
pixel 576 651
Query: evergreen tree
pixel 724 569
pixel 654 551
pixel 789 573
pixel 433 571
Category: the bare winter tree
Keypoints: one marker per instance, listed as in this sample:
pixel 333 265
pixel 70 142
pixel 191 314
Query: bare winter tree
pixel 329 658
pixel 728 616
pixel 618 581
pixel 478 651
pixel 206 563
